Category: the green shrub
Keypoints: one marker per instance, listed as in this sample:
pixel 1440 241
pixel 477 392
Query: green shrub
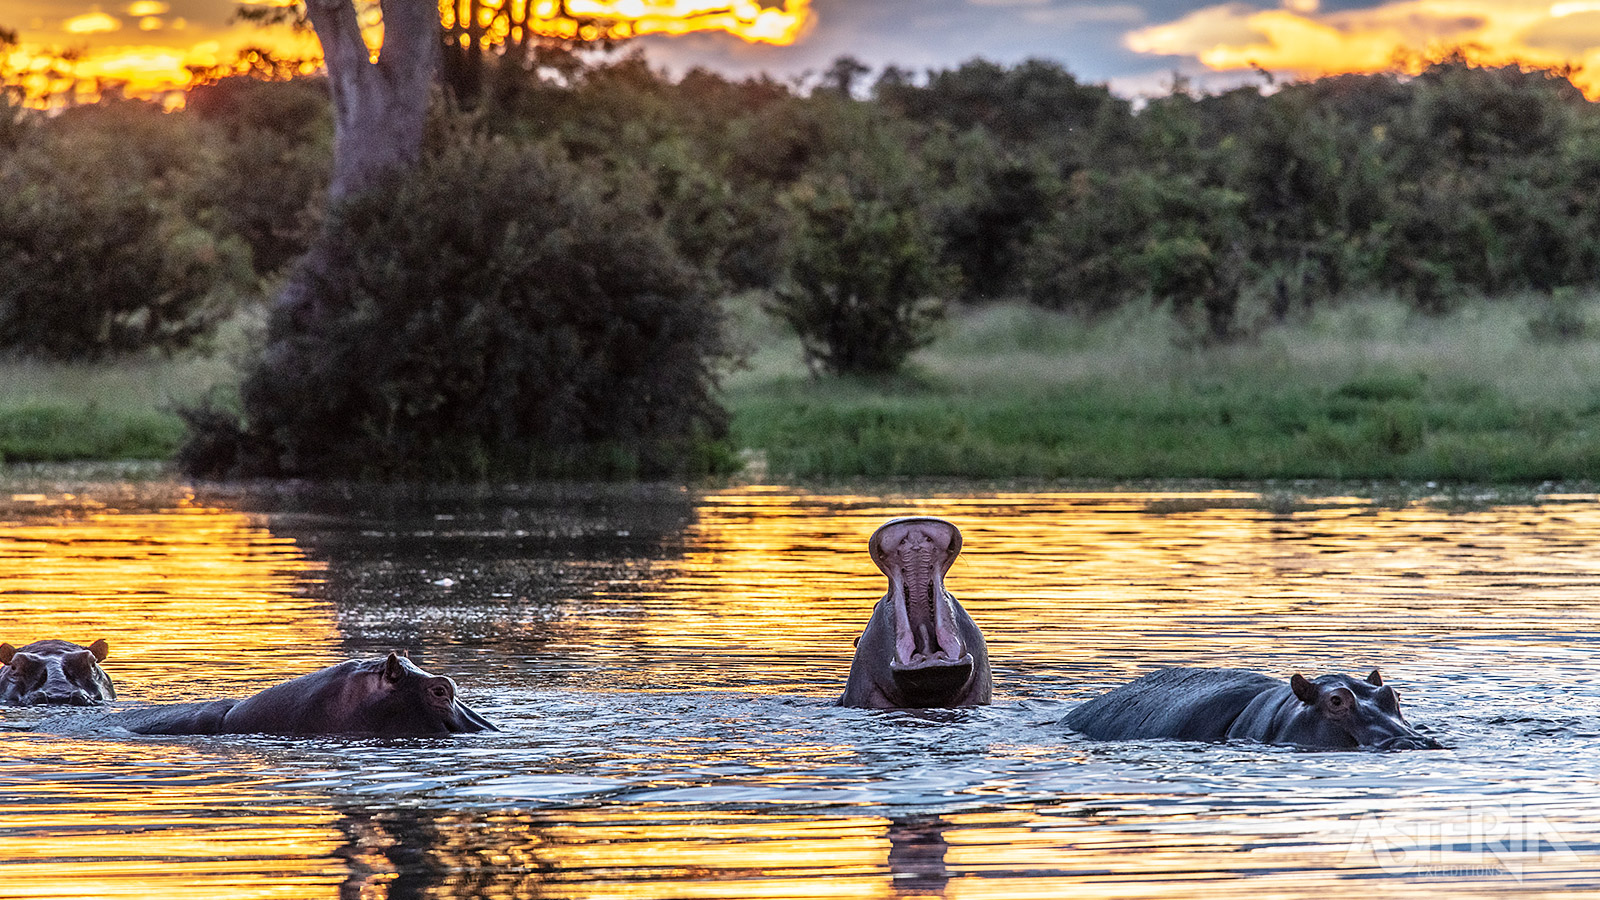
pixel 93 264
pixel 1120 238
pixel 496 312
pixel 865 286
pixel 274 148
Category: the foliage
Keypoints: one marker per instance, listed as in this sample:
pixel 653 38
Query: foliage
pixel 498 312
pixel 1243 213
pixel 990 201
pixel 1129 236
pixel 94 260
pixel 865 285
pixel 274 152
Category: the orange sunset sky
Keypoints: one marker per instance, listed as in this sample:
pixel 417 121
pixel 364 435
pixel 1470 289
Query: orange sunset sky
pixel 1134 45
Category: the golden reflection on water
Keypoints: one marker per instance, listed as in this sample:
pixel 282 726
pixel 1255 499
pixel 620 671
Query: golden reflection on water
pixel 195 601
pixel 1073 591
pixel 775 584
pixel 669 854
pixel 176 830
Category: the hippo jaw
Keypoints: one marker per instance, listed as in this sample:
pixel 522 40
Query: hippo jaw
pixel 930 659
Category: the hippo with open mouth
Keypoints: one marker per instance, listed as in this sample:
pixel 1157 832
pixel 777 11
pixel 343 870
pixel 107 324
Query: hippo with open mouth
pixel 55 672
pixel 920 648
pixel 389 696
pixel 1333 712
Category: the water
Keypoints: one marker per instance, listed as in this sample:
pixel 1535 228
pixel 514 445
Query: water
pixel 663 662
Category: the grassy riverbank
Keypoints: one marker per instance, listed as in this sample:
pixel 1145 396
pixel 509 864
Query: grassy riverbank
pixel 55 412
pixel 1362 391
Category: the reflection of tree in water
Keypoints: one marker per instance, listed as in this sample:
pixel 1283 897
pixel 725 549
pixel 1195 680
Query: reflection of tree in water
pixel 486 567
pixel 916 856
pixel 403 854
pixel 407 854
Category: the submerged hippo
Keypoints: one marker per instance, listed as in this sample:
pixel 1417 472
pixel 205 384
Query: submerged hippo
pixel 920 648
pixel 55 672
pixel 1333 712
pixel 388 696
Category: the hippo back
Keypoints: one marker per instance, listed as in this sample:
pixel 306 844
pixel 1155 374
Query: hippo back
pixel 203 717
pixel 1187 704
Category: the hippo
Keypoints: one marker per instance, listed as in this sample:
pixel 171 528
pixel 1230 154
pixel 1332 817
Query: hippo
pixel 58 672
pixel 920 649
pixel 389 696
pixel 1333 712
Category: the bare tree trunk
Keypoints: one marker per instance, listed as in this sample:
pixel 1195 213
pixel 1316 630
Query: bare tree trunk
pixel 380 107
pixel 380 110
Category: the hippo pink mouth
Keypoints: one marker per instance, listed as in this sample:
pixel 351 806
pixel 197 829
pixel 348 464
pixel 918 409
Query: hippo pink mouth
pixel 915 554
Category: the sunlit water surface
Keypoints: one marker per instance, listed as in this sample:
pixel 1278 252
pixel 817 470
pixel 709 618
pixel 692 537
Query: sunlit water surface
pixel 663 663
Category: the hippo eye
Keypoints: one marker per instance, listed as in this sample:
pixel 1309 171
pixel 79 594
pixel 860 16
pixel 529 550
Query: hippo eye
pixel 440 691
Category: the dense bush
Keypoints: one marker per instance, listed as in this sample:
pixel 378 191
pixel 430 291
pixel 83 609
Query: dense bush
pixel 94 263
pixel 274 159
pixel 497 312
pixel 865 286
pixel 1124 237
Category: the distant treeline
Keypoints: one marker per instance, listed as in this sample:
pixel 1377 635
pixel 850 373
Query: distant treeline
pixel 122 226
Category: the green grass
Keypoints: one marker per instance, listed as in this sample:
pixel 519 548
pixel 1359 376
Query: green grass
pixel 1359 391
pixel 1365 390
pixel 56 412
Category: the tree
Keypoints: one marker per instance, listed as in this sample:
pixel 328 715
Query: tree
pixel 103 243
pixel 380 109
pixel 379 105
pixel 497 311
pixel 865 287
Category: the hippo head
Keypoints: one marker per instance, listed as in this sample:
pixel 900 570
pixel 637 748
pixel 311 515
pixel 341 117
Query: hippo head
pixel 1341 711
pixel 400 698
pixel 55 672
pixel 930 659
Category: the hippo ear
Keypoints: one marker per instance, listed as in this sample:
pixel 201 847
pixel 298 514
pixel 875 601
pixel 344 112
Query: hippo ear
pixel 1375 679
pixel 392 670
pixel 100 649
pixel 1305 690
pixel 6 652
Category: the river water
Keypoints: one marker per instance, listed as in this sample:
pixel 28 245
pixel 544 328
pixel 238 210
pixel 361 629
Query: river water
pixel 663 663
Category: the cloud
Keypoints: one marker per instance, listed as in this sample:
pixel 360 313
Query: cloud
pixel 1310 43
pixel 1229 25
pixel 95 22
